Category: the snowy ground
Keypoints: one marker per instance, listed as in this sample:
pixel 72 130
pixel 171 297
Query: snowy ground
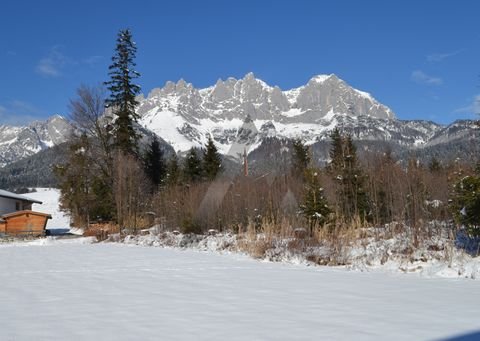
pixel 49 198
pixel 57 291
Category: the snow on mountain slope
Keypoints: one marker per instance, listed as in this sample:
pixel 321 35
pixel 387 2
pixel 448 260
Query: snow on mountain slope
pixel 184 116
pixel 19 142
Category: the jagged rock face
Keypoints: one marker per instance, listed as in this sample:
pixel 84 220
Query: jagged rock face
pixel 184 116
pixel 19 142
pixel 324 94
pixel 53 131
pixel 240 115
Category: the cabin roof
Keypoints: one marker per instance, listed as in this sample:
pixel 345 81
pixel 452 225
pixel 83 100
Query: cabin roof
pixel 10 195
pixel 17 213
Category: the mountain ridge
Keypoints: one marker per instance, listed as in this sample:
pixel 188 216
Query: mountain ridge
pixel 185 116
pixel 17 142
pixel 239 114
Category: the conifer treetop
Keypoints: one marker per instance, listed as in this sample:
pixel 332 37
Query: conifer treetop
pixel 123 91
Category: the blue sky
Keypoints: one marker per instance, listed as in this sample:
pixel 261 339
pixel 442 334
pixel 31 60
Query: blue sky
pixel 421 58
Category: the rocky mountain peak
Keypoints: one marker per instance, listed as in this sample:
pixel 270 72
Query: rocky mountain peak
pixel 322 78
pixel 221 108
pixel 250 77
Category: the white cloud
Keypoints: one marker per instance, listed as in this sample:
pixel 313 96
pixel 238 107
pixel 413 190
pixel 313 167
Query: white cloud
pixel 52 64
pixel 422 78
pixel 439 57
pixel 47 68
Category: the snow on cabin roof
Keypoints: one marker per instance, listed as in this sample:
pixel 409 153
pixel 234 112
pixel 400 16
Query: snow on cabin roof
pixel 10 195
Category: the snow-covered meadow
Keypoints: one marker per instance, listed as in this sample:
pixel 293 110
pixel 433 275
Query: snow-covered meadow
pixel 72 290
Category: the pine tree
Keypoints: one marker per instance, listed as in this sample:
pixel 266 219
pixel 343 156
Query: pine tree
pixel 173 171
pixel 193 166
pixel 337 156
pixel 123 91
pixel 344 167
pixel 466 203
pixel 300 159
pixel 434 166
pixel 315 207
pixel 354 182
pixel 212 162
pixel 154 163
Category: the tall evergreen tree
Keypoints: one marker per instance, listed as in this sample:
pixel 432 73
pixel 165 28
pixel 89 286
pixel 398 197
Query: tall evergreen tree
pixel 300 159
pixel 354 182
pixel 123 91
pixel 193 166
pixel 352 199
pixel 154 163
pixel 337 155
pixel 212 162
pixel 315 207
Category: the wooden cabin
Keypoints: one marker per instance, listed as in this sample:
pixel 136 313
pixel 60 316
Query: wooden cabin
pixel 17 217
pixel 24 223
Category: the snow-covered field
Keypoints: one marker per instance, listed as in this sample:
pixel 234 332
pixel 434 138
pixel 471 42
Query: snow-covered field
pixel 71 289
pixel 65 290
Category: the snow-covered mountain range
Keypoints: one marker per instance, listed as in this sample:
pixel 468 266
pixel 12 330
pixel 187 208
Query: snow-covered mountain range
pixel 241 113
pixel 184 116
pixel 19 142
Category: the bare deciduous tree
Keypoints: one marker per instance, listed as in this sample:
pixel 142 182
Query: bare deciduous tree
pixel 87 113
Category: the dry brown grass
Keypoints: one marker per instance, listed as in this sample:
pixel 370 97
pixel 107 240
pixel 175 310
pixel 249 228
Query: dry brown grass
pixel 101 230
